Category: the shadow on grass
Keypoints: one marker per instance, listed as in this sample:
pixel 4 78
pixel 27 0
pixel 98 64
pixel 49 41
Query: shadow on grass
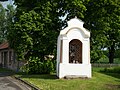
pixel 6 72
pixel 42 76
pixel 114 87
pixel 109 72
pixel 116 75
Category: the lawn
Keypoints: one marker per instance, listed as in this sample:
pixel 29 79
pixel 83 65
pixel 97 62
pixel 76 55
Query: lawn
pixel 4 70
pixel 99 81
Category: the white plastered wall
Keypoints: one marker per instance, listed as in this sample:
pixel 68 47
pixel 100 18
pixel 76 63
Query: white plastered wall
pixel 75 30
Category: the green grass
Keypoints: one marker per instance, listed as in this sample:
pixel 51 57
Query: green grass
pixel 6 72
pixel 2 70
pixel 99 81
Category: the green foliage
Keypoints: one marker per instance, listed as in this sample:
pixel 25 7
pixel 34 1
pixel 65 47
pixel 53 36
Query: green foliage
pixel 6 19
pixel 35 66
pixel 31 37
pixel 117 60
pixel 36 28
pixel 97 55
pixel 117 53
pixel 2 24
pixel 112 70
pixel 37 25
pixel 38 22
pixel 72 8
pixel 103 20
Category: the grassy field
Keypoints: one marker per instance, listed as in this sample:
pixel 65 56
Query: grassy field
pixel 99 81
pixel 4 70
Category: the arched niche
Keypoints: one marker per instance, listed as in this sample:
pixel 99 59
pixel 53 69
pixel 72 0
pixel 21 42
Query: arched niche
pixel 75 51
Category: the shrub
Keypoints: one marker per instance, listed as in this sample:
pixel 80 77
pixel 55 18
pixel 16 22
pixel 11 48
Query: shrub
pixel 35 66
pixel 112 70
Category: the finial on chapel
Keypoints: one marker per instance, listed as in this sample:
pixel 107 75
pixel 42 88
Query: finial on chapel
pixel 75 16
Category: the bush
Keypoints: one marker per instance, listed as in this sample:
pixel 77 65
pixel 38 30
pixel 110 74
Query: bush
pixel 35 66
pixel 112 70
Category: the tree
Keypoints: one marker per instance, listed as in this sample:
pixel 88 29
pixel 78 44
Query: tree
pixel 2 24
pixel 36 30
pixel 10 12
pixel 28 37
pixel 72 8
pixel 103 20
pixel 6 18
pixel 37 25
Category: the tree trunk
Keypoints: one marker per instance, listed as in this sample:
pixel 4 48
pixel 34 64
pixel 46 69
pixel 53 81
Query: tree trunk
pixel 111 53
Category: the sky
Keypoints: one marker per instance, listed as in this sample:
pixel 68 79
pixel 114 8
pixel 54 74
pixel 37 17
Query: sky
pixel 6 3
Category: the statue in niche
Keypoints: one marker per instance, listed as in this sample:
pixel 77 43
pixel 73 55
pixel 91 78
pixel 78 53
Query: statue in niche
pixel 75 51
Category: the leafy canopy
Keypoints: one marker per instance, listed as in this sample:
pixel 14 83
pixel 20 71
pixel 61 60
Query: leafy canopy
pixel 6 15
pixel 37 25
pixel 103 20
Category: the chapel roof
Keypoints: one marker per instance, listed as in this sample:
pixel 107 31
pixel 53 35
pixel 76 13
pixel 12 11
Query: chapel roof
pixel 75 23
pixel 4 45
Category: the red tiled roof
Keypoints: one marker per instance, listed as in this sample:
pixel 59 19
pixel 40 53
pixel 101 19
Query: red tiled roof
pixel 4 45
